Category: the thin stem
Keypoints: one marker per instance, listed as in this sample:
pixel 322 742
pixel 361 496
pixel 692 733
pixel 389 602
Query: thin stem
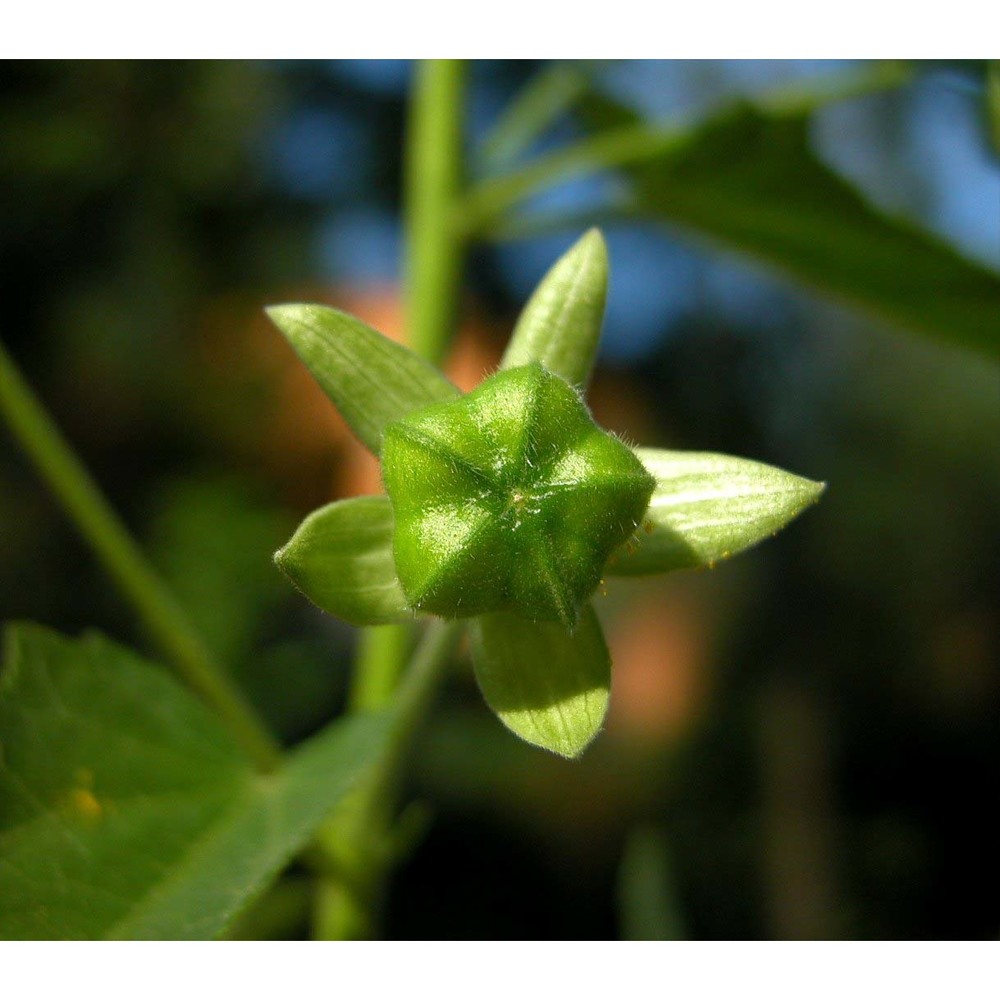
pixel 356 848
pixel 550 93
pixel 638 142
pixel 531 225
pixel 381 654
pixel 993 103
pixel 433 179
pixel 613 148
pixel 413 699
pixel 110 541
pixel 433 271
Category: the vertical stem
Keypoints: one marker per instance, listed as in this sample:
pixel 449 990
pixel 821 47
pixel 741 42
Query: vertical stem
pixel 381 654
pixel 357 841
pixel 799 868
pixel 433 179
pixel 356 847
pixel 110 541
pixel 433 266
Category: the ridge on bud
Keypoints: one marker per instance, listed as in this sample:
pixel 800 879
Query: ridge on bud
pixel 510 497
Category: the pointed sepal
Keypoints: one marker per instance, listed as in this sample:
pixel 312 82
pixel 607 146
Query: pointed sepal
pixel 340 557
pixel 371 379
pixel 561 324
pixel 707 507
pixel 547 684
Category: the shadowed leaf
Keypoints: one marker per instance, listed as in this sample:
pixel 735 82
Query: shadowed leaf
pixel 127 812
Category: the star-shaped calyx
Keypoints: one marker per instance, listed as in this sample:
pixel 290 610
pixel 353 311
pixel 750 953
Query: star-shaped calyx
pixel 509 497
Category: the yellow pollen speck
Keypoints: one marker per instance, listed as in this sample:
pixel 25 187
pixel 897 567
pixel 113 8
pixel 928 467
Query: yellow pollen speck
pixel 84 803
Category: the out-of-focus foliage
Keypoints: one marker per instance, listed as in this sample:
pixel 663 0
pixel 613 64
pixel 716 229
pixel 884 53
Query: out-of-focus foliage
pixel 749 180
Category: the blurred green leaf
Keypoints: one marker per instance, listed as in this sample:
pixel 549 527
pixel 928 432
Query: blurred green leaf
pixel 127 812
pixel 548 685
pixel 748 180
pixel 340 557
pixel 211 537
pixel 561 324
pixel 993 103
pixel 708 507
pixel 372 380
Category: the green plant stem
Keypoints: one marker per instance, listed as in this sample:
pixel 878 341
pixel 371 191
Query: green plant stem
pixel 551 92
pixel 379 663
pixel 353 850
pixel 479 212
pixel 413 700
pixel 532 225
pixel 487 202
pixel 433 179
pixel 992 99
pixel 356 849
pixel 433 272
pixel 110 541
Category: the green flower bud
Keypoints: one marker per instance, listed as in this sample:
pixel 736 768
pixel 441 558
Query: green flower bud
pixel 510 497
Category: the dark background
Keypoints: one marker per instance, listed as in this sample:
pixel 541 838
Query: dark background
pixel 802 743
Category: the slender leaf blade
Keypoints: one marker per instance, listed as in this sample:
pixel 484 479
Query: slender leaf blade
pixel 707 507
pixel 127 811
pixel 561 324
pixel 748 180
pixel 547 684
pixel 371 379
pixel 341 558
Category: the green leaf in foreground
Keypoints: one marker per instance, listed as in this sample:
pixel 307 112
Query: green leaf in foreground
pixel 707 507
pixel 547 684
pixel 372 380
pixel 340 557
pixel 749 180
pixel 127 812
pixel 561 325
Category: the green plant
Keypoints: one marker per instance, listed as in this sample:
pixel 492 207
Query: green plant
pixel 135 806
pixel 509 505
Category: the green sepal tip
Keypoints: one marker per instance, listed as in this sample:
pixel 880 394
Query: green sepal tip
pixel 371 379
pixel 546 683
pixel 707 507
pixel 340 557
pixel 560 326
